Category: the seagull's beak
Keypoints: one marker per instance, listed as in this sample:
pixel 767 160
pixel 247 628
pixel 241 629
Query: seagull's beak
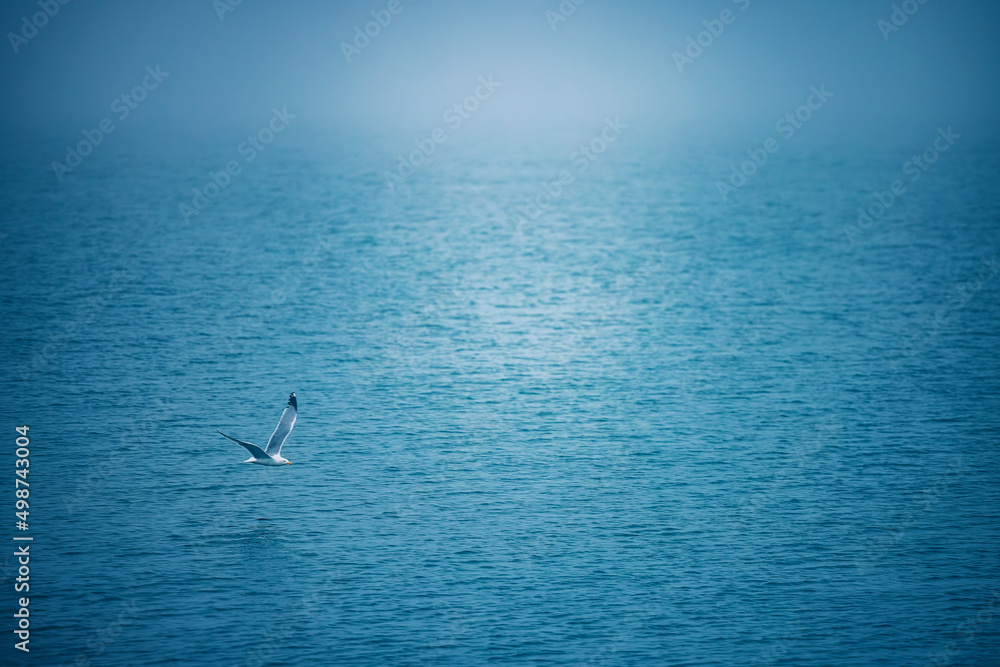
pixel 288 462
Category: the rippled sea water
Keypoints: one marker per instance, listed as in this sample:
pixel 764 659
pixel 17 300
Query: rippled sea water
pixel 647 427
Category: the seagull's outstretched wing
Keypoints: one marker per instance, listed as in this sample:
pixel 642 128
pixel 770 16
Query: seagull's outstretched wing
pixel 283 428
pixel 254 450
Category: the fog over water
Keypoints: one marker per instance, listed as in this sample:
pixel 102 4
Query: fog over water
pixel 603 59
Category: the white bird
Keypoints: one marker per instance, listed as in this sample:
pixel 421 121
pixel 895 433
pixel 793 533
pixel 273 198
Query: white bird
pixel 271 455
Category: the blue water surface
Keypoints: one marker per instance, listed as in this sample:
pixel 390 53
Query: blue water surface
pixel 648 426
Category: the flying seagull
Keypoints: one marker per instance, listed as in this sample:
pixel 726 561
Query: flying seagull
pixel 271 455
